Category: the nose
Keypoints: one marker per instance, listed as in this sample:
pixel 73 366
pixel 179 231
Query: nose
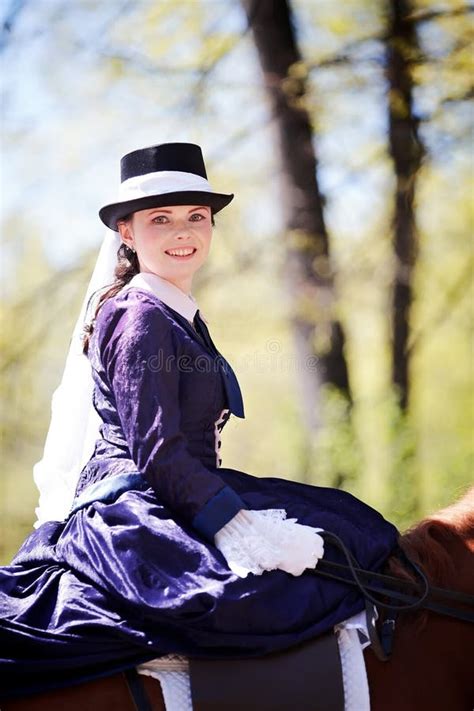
pixel 182 231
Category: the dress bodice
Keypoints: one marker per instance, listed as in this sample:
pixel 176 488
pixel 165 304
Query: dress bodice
pixel 174 354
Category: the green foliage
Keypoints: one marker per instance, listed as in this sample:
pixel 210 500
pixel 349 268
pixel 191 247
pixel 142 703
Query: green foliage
pixel 38 314
pixel 338 459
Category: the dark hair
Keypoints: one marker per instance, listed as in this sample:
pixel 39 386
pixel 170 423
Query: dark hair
pixel 127 267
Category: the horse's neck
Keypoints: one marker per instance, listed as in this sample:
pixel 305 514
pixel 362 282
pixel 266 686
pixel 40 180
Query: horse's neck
pixel 431 662
pixel 447 557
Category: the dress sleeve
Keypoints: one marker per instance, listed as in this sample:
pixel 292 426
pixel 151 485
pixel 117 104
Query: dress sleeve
pixel 139 354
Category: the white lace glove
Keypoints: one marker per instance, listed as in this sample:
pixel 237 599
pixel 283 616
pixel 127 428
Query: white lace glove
pixel 256 541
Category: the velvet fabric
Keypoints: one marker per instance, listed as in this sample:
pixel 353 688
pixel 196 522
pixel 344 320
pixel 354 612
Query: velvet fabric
pixel 133 572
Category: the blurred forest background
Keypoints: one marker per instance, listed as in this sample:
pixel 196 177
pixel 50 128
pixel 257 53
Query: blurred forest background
pixel 339 283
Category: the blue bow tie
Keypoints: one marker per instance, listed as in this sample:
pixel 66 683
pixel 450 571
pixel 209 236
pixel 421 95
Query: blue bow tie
pixel 234 394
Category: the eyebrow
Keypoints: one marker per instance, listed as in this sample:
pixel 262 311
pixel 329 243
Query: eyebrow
pixel 162 209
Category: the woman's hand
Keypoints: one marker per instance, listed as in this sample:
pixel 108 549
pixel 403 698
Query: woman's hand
pixel 256 541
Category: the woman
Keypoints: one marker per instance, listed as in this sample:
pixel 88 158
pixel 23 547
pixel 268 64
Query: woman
pixel 163 549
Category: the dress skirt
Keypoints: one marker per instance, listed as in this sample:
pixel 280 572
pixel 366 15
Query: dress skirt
pixel 120 583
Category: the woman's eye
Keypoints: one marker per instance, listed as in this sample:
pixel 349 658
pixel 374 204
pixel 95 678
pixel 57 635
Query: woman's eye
pixel 159 219
pixel 198 214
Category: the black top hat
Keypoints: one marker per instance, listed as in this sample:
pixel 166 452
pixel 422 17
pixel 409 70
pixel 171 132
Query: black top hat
pixel 157 176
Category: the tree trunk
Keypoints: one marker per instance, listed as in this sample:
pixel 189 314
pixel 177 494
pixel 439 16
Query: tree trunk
pixel 308 271
pixel 407 153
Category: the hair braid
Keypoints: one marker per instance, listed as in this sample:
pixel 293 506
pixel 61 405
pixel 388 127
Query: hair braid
pixel 127 267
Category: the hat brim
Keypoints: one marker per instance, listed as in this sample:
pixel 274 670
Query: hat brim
pixel 109 214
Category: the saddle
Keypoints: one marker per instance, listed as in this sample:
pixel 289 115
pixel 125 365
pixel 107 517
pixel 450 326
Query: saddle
pixel 307 677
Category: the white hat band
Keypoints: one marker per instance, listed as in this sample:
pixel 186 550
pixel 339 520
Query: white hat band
pixel 161 182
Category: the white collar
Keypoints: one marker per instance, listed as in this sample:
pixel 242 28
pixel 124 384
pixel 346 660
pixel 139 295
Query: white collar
pixel 166 291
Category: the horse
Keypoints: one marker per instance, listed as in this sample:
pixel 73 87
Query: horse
pixel 431 663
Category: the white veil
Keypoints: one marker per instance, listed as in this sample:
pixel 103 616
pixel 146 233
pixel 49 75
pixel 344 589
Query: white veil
pixel 74 425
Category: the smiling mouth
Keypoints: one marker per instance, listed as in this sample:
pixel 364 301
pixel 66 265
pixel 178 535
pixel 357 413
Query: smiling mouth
pixel 182 253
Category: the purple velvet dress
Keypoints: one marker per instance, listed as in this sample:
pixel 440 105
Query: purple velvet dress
pixel 133 572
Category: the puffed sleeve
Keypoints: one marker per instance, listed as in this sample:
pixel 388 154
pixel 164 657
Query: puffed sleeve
pixel 138 338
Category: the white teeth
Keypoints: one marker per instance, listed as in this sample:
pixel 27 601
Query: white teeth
pixel 180 252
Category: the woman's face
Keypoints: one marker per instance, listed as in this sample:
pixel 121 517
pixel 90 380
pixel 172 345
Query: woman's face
pixel 157 233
